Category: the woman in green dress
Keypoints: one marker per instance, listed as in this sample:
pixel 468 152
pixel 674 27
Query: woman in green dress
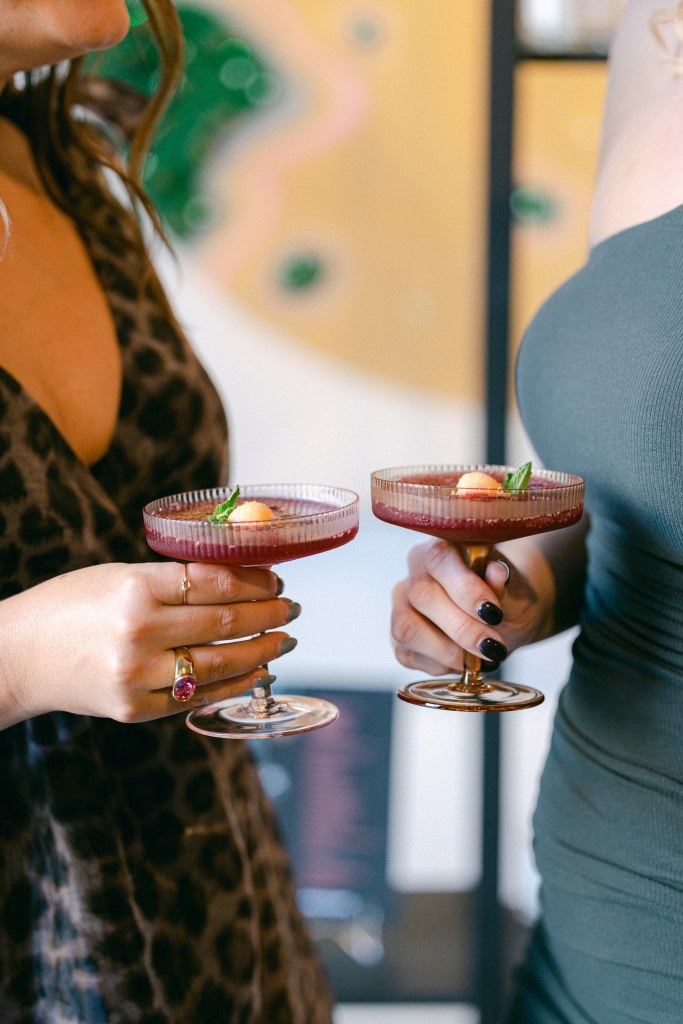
pixel 600 384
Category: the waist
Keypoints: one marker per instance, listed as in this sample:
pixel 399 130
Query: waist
pixel 634 598
pixel 626 686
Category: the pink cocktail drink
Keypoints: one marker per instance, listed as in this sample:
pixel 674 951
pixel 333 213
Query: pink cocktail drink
pixel 181 530
pixel 307 519
pixel 431 503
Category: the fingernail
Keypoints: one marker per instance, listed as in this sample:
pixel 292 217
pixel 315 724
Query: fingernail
pixel 492 649
pixel 507 570
pixel 489 666
pixel 293 610
pixel 489 613
pixel 265 680
pixel 287 645
pixel 280 585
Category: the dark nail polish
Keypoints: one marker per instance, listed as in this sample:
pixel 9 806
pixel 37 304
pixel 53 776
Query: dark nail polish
pixel 293 610
pixel 265 680
pixel 492 649
pixel 280 585
pixel 287 645
pixel 489 613
pixel 489 666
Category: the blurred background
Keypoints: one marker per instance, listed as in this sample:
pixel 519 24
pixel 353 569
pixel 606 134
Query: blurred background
pixel 368 200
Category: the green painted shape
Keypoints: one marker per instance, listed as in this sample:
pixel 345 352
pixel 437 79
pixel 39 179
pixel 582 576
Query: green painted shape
pixel 224 81
pixel 531 206
pixel 300 271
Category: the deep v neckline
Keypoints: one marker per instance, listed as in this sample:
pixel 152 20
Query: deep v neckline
pixel 39 409
pixel 86 439
pixel 45 418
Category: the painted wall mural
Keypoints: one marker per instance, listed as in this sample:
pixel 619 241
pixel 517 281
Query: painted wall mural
pixel 557 134
pixel 326 162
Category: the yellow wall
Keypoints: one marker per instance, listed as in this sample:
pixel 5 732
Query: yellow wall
pixel 557 128
pixel 376 161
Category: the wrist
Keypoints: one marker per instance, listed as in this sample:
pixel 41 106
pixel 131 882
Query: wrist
pixel 16 691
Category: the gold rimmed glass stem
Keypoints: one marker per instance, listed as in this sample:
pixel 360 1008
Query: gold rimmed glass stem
pixel 475 556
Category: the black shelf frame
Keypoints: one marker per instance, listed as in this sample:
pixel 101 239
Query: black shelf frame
pixel 505 52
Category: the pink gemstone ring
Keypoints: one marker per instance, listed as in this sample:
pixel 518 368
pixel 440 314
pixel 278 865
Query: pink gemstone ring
pixel 185 682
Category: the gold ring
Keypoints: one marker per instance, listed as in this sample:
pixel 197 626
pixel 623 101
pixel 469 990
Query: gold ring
pixel 185 682
pixel 185 586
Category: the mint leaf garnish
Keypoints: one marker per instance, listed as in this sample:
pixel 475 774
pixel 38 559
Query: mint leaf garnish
pixel 221 512
pixel 519 479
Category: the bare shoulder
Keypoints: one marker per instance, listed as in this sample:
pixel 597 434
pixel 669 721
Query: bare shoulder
pixel 640 171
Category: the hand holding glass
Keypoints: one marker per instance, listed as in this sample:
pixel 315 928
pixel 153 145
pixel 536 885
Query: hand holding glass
pixel 429 500
pixel 308 519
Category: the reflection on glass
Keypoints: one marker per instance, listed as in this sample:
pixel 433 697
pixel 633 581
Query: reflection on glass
pixel 566 26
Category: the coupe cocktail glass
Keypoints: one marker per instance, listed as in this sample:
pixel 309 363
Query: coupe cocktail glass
pixel 427 499
pixel 309 519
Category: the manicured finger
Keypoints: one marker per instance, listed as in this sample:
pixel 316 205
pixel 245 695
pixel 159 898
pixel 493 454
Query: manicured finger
pixel 418 642
pixel 464 628
pixel 223 661
pixel 204 624
pixel 201 583
pixel 161 703
pixel 498 573
pixel 465 588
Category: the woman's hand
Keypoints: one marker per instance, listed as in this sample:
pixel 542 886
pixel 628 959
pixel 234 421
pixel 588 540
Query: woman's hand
pixel 100 641
pixel 443 608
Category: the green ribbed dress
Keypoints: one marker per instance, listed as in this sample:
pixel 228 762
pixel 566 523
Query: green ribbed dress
pixel 600 385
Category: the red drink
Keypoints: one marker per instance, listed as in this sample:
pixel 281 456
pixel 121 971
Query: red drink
pixel 431 503
pixel 178 527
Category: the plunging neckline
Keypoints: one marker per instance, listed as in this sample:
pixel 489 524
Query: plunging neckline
pixel 30 400
pixel 52 412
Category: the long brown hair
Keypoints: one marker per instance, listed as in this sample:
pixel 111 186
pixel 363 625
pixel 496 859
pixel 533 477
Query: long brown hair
pixel 65 112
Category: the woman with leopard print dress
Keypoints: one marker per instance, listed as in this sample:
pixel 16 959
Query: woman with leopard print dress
pixel 141 877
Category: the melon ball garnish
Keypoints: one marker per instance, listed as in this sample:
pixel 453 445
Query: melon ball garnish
pixel 251 512
pixel 479 485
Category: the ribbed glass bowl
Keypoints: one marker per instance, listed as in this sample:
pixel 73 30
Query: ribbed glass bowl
pixel 309 518
pixel 426 498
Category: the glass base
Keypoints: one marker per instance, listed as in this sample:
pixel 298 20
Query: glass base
pixel 234 719
pixel 451 695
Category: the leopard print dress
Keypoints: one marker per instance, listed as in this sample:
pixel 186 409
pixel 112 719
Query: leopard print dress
pixel 141 876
